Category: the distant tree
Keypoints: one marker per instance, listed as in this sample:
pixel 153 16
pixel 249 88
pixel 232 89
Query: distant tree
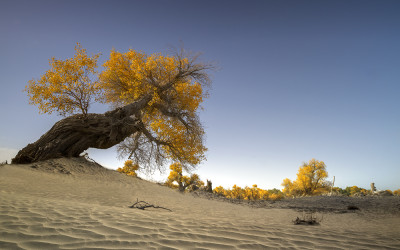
pixel 275 194
pixel 396 192
pixel 129 168
pixel 176 179
pixel 235 192
pixel 354 191
pixel 291 188
pixel 310 177
pixel 338 191
pixel 249 193
pixel 254 193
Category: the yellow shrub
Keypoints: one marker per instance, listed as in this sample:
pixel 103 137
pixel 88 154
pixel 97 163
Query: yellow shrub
pixel 219 190
pixel 264 194
pixel 129 168
pixel 251 193
pixel 275 197
pixel 176 179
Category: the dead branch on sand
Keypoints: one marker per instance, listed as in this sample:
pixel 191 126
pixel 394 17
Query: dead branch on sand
pixel 143 205
pixel 308 219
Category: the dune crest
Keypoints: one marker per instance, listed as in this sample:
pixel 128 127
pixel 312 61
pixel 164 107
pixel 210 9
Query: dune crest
pixel 72 203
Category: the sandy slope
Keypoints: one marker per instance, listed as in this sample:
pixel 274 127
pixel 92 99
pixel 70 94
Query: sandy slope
pixel 70 204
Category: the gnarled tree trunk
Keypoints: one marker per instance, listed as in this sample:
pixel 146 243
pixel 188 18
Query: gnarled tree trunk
pixel 73 135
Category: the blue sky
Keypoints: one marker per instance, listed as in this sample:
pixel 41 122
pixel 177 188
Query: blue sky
pixel 297 79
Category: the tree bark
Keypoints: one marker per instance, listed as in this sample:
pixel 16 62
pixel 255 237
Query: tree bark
pixel 73 135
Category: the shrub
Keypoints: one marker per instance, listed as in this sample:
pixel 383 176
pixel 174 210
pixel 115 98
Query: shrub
pixel 276 197
pixel 176 179
pixel 219 190
pixel 129 168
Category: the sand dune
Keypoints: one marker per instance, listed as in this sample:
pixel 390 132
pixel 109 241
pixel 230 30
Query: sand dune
pixel 74 204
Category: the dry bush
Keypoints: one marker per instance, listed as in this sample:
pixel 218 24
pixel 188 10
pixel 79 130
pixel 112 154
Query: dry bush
pixel 308 218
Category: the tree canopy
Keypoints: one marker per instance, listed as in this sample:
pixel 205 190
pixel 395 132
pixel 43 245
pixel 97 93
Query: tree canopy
pixel 310 177
pixel 156 99
pixel 68 87
pixel 175 84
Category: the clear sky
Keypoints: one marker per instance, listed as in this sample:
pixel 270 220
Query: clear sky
pixel 297 79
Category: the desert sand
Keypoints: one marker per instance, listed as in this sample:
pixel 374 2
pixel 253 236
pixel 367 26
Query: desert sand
pixel 76 204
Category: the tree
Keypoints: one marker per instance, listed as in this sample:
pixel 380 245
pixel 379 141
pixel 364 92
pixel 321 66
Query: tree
pixel 183 181
pixel 129 168
pixel 68 87
pixel 356 191
pixel 254 193
pixel 235 193
pixel 156 100
pixel 291 188
pixel 310 177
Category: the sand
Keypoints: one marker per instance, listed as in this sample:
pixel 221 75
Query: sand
pixel 75 204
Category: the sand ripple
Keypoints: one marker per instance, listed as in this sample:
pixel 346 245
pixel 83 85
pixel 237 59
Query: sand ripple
pixel 54 224
pixel 61 212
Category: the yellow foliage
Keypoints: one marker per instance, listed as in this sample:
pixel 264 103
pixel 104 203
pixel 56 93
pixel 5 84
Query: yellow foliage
pixel 396 192
pixel 130 76
pixel 253 193
pixel 310 179
pixel 275 197
pixel 249 193
pixel 67 87
pixel 235 193
pixel 354 190
pixel 133 75
pixel 388 191
pixel 176 179
pixel 219 190
pixel 129 168
pixel 173 86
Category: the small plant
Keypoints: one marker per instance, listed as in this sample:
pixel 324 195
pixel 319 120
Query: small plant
pixel 308 218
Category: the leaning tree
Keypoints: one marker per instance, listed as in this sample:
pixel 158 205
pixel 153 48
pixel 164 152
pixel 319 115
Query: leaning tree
pixel 155 100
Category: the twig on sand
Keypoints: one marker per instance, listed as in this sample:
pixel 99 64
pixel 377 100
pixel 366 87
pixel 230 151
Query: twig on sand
pixel 143 205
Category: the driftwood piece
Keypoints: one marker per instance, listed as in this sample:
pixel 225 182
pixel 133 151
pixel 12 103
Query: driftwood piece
pixel 143 205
